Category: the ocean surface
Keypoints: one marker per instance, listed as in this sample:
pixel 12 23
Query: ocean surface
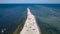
pixel 13 15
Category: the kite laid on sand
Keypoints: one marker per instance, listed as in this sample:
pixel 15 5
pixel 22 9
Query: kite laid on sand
pixel 30 26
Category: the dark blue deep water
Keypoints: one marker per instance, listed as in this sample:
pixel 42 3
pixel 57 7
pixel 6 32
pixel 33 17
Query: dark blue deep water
pixel 11 15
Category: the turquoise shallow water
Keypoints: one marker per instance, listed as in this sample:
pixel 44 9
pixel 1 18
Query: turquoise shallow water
pixel 46 14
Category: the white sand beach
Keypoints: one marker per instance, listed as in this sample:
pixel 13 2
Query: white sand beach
pixel 30 26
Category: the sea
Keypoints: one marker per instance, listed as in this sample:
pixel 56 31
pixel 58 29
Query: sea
pixel 14 15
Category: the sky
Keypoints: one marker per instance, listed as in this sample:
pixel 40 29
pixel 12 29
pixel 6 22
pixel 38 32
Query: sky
pixel 30 1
